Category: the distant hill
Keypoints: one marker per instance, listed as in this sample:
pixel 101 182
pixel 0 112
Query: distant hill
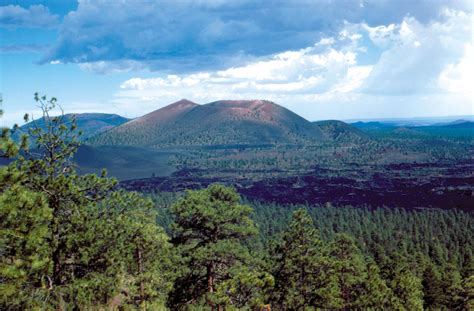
pixel 340 131
pixel 412 122
pixel 89 123
pixel 457 128
pixel 461 128
pixel 372 125
pixel 464 124
pixel 227 122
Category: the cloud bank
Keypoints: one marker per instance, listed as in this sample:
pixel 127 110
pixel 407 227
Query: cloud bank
pixel 183 36
pixel 411 67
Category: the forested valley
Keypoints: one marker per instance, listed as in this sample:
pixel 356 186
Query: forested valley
pixel 73 241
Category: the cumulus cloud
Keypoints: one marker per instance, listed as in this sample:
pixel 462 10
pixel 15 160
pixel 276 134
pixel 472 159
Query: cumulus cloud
pixel 35 16
pixel 411 64
pixel 459 77
pixel 414 54
pixel 188 36
pixel 313 70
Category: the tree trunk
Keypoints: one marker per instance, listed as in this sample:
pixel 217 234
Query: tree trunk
pixel 210 283
pixel 56 255
pixel 140 271
pixel 56 267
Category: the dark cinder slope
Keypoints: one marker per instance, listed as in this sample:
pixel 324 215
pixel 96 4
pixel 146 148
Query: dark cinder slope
pixel 89 124
pixel 124 162
pixel 228 122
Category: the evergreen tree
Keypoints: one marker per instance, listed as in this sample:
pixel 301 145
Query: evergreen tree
pixel 74 241
pixel 468 293
pixel 24 248
pixel 302 276
pixel 377 294
pixel 452 284
pixel 432 287
pixel 210 229
pixel 356 286
pixel 406 286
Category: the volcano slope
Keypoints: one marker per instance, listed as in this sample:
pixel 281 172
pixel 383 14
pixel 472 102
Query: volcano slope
pixel 227 122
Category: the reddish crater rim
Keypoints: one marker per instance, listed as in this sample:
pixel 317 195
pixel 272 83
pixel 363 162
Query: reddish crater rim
pixel 183 101
pixel 166 113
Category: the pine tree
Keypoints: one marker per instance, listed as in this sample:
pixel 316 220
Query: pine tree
pixel 377 294
pixel 350 270
pixel 406 286
pixel 432 287
pixel 301 270
pixel 94 245
pixel 451 282
pixel 24 249
pixel 210 229
pixel 468 293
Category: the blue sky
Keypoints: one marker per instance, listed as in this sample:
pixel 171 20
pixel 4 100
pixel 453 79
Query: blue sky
pixel 322 59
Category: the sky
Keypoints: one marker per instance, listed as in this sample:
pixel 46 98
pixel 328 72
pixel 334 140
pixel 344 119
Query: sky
pixel 322 59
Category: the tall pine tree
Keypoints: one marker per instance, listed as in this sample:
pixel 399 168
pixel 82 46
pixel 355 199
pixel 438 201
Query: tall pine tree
pixel 74 241
pixel 302 272
pixel 210 230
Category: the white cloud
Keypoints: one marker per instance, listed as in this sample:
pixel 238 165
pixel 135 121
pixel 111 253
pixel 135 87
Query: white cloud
pixel 353 80
pixel 418 66
pixel 382 35
pixel 291 74
pixel 459 77
pixel 414 54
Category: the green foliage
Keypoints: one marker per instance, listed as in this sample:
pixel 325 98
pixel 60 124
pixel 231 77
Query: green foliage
pixel 407 289
pixel 468 293
pixel 210 228
pixel 245 288
pixel 439 236
pixel 432 287
pixel 311 273
pixel 302 271
pixel 350 270
pixel 74 241
pixel 24 236
pixel 335 155
pixel 396 247
pixel 452 283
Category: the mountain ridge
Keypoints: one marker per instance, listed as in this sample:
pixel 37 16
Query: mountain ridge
pixel 89 123
pixel 340 131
